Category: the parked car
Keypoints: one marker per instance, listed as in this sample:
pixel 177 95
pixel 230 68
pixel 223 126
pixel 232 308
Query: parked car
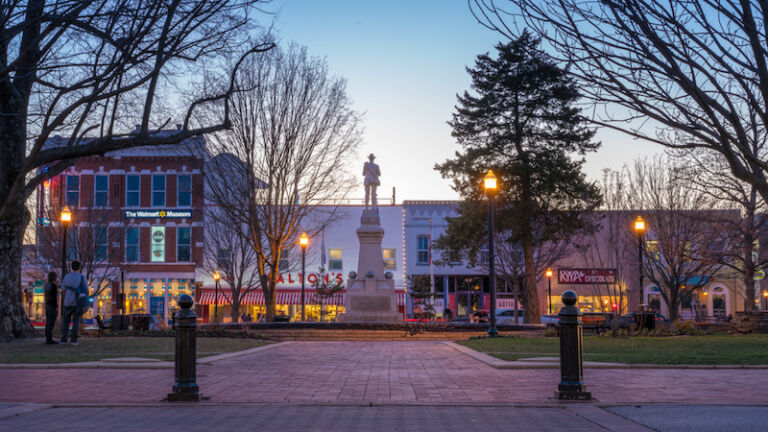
pixel 507 316
pixel 630 319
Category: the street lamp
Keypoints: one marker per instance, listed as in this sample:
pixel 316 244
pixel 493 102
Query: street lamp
pixel 216 277
pixel 303 242
pixel 489 183
pixel 66 218
pixel 549 290
pixel 640 229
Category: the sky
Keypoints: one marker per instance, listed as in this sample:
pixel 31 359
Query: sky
pixel 404 62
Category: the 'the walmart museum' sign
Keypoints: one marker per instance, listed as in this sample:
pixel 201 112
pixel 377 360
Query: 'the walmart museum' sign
pixel 158 214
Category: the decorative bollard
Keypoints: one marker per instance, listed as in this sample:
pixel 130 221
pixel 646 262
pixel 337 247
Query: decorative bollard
pixel 571 386
pixel 185 323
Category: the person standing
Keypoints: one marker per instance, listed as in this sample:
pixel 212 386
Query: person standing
pixel 74 285
pixel 51 295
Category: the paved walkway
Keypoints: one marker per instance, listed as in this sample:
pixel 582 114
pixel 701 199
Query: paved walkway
pixel 378 372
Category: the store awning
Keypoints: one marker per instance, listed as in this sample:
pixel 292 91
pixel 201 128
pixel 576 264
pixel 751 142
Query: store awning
pixel 284 297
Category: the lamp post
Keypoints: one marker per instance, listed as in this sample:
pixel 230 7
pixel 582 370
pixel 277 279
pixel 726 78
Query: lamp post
pixel 216 277
pixel 640 229
pixel 66 218
pixel 489 183
pixel 549 289
pixel 303 242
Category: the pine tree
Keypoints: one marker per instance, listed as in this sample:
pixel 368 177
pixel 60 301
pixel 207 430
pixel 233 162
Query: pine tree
pixel 520 121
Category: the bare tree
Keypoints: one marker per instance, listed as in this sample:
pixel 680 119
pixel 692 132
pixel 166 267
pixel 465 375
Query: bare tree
pixel 90 70
pixel 739 236
pixel 683 74
pixel 681 253
pixel 293 131
pixel 228 251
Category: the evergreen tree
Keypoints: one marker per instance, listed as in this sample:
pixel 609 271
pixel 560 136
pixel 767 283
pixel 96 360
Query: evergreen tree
pixel 520 121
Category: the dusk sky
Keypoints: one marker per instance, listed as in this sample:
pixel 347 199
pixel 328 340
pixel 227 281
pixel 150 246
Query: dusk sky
pixel 405 62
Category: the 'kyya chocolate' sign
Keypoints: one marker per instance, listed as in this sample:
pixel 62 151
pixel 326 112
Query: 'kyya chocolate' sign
pixel 586 276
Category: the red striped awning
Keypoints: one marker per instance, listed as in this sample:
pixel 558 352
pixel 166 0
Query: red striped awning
pixel 284 297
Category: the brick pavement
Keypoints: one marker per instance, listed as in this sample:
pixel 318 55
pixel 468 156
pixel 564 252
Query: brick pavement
pixel 379 372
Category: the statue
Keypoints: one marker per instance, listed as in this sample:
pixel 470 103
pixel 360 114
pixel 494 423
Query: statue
pixel 371 173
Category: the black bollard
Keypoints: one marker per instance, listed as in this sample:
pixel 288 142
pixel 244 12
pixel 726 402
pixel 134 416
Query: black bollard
pixel 571 386
pixel 185 323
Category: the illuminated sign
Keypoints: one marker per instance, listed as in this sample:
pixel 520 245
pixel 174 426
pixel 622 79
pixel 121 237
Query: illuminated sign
pixel 158 214
pixel 158 244
pixel 586 276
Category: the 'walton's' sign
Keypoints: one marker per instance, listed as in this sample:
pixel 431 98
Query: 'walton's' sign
pixel 586 276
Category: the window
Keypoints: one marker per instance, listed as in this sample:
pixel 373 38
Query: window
pixel 223 257
pixel 335 262
pixel 158 190
pixel 652 249
pixel 132 190
pixel 184 190
pixel 422 250
pixel 389 259
pixel 73 190
pixel 284 265
pixel 183 244
pixel 132 244
pixel 101 183
pixel 99 243
pixel 72 244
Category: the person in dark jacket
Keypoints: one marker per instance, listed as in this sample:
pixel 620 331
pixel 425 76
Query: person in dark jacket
pixel 51 295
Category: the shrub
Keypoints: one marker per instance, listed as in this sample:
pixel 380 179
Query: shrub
pixel 684 327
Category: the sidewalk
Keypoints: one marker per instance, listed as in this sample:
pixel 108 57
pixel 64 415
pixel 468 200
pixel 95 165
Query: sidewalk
pixel 381 373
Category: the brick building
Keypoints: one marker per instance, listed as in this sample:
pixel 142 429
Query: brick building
pixel 137 215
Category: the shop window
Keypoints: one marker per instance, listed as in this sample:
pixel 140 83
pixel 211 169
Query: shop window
pixel 132 244
pixel 101 184
pixel 158 190
pixel 184 190
pixel 335 261
pixel 422 250
pixel 132 190
pixel 100 243
pixel 389 259
pixel 183 244
pixel 73 190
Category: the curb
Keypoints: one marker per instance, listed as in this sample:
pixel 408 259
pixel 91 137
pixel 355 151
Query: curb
pixel 138 365
pixel 521 364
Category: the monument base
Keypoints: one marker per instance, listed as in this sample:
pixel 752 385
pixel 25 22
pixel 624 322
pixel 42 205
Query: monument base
pixel 371 306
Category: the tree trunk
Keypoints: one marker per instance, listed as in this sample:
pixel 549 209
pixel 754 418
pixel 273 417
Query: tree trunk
pixel 532 311
pixel 673 305
pixel 235 308
pixel 749 277
pixel 14 322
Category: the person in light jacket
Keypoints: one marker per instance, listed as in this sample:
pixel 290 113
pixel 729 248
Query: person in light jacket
pixel 73 285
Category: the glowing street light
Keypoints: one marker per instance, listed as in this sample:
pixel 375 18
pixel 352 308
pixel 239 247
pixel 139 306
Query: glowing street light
pixel 549 278
pixel 216 277
pixel 303 242
pixel 489 183
pixel 66 218
pixel 640 229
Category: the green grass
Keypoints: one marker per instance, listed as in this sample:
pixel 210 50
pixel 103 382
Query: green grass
pixel 97 348
pixel 699 350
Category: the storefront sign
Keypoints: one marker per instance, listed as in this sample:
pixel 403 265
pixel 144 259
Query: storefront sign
pixel 295 278
pixel 157 305
pixel 158 244
pixel 586 276
pixel 158 214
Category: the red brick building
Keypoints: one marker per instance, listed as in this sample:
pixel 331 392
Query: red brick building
pixel 135 212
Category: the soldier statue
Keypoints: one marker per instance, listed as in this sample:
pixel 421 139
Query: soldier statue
pixel 371 175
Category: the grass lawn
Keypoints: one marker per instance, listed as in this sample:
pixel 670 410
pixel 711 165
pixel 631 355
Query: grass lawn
pixel 701 350
pixel 97 348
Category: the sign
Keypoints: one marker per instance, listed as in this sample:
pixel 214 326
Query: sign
pixel 157 214
pixel 157 305
pixel 507 303
pixel 759 274
pixel 586 276
pixel 157 251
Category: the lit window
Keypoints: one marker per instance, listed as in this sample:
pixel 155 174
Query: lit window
pixel 422 250
pixel 73 190
pixel 99 243
pixel 158 190
pixel 132 190
pixel 389 259
pixel 184 190
pixel 183 244
pixel 335 261
pixel 101 183
pixel 132 244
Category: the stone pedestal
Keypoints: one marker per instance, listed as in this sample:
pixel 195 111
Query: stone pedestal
pixel 370 292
